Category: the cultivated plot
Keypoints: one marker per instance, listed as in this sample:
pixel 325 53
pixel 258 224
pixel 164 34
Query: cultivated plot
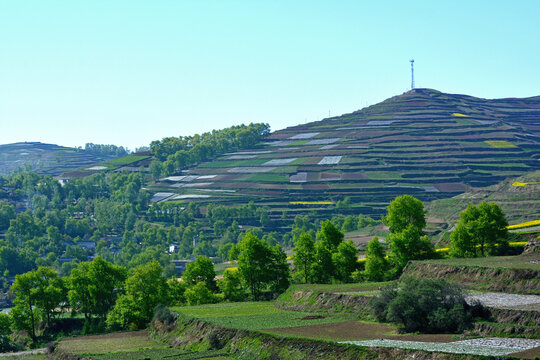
pixel 504 300
pixel 279 162
pixel 330 160
pixel 160 196
pixel 303 136
pixel 322 141
pixel 482 346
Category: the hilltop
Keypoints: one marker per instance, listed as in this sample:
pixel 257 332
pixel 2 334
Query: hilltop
pixel 424 142
pixel 45 159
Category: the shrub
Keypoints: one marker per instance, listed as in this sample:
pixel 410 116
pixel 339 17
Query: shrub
pixel 5 344
pixel 427 306
pixel 163 314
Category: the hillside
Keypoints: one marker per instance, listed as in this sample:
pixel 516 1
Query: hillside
pixel 46 159
pixel 425 143
pixel 519 199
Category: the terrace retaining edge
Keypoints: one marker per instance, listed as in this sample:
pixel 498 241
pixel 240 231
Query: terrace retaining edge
pixel 195 334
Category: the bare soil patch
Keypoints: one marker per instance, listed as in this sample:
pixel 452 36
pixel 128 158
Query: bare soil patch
pixel 315 187
pixel 528 354
pixel 348 330
pixel 312 317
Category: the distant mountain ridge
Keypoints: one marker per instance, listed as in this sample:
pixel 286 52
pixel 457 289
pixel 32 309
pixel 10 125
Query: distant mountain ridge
pixel 46 159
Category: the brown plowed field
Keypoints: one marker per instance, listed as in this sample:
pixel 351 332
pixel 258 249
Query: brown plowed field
pixel 356 330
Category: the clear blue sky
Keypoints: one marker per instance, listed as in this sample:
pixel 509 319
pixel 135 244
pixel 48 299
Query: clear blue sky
pixel 129 72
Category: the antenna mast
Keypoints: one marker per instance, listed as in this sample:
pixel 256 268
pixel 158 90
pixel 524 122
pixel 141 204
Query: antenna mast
pixel 412 73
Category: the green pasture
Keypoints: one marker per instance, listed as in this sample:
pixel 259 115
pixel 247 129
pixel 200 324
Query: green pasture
pixel 257 316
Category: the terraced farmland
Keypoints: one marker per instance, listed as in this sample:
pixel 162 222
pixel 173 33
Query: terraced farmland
pixel 47 159
pixel 424 143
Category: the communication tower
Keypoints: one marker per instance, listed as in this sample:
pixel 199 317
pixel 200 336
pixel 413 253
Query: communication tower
pixel 412 73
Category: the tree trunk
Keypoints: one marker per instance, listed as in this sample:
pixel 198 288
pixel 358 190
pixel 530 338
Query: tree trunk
pixel 32 319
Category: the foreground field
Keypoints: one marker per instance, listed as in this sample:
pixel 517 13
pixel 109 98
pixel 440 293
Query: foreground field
pixel 258 316
pixel 128 346
pixel 264 317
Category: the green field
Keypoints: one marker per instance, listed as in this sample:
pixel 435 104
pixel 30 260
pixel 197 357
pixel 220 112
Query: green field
pixel 341 288
pixel 258 316
pixel 158 354
pixel 507 262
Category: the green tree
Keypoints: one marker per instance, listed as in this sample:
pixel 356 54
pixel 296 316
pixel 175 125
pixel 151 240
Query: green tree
pixel 345 260
pixel 155 169
pixel 304 256
pixel 5 324
pixel 92 287
pixel 223 251
pixel 7 212
pixel 25 313
pixel 261 266
pixel 330 235
pixel 202 269
pixel 279 270
pixel 253 262
pixel 376 264
pixel 199 294
pixel 145 289
pixel 231 285
pixel 322 268
pixel 409 244
pixel 403 211
pixel 479 231
pixel 38 293
pixel 50 293
pixel 177 290
pixel 234 252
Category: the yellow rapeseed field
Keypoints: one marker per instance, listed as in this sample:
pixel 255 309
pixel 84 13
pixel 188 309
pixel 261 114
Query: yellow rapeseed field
pixel 500 144
pixel 517 183
pixel 524 225
pixel 311 202
pixel 459 115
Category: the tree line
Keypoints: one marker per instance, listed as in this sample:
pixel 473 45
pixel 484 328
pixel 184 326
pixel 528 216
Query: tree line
pixel 173 154
pixel 111 297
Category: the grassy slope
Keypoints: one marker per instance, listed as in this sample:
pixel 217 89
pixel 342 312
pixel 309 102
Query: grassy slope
pixel 519 203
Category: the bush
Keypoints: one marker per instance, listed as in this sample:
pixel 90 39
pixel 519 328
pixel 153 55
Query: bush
pixel 5 344
pixel 427 306
pixel 163 314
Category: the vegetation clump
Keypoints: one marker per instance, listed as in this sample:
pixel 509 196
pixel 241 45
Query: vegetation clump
pixel 426 306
